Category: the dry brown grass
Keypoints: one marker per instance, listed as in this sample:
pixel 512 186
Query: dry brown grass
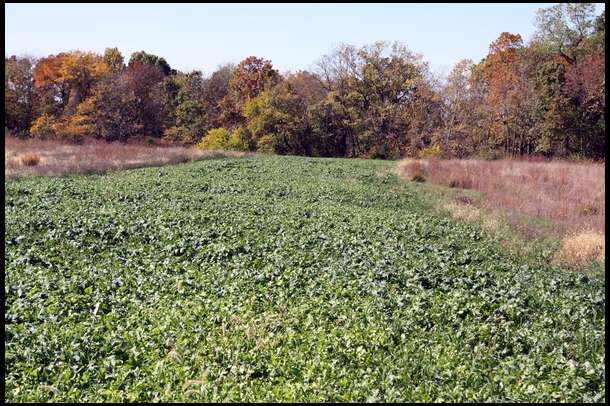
pixel 470 213
pixel 417 173
pixel 569 194
pixel 579 249
pixel 30 159
pixel 56 158
pixel 529 204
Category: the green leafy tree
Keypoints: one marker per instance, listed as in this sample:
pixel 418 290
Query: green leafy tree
pixel 275 118
pixel 153 60
pixel 190 126
pixel 330 128
pixel 458 111
pixel 377 86
pixel 555 111
pixel 186 119
pixel 563 28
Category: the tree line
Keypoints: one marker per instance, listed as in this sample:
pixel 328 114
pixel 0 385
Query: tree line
pixel 546 97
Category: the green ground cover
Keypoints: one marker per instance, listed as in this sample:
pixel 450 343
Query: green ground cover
pixel 272 278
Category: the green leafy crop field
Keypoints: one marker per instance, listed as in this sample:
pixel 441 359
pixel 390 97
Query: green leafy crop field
pixel 280 279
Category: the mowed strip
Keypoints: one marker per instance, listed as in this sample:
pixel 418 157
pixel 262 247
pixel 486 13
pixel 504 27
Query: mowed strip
pixel 271 278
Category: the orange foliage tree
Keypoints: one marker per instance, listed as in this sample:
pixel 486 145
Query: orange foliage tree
pixel 500 70
pixel 70 75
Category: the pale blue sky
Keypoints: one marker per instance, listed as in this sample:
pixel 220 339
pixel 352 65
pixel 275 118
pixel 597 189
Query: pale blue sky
pixel 202 36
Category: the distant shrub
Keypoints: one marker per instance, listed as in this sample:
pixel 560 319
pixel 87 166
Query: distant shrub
pixel 266 144
pixel 30 159
pixel 74 128
pixel 221 138
pixel 216 138
pixel 433 151
pixel 535 158
pixel 489 154
pixel 176 134
pixel 418 177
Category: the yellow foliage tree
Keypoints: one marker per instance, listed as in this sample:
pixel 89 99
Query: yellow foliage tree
pixel 216 138
pixel 73 73
pixel 44 127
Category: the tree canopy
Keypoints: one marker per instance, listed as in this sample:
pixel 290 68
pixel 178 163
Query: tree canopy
pixel 380 100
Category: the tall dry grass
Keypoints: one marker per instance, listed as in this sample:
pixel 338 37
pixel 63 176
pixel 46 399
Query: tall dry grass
pixel 56 158
pixel 569 195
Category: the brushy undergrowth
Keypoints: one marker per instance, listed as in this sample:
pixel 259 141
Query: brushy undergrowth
pixel 280 279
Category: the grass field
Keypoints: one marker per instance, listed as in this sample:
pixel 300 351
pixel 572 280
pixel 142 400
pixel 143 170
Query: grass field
pixel 268 278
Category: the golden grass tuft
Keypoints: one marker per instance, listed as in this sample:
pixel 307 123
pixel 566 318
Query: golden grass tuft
pixel 30 159
pixel 461 211
pixel 582 248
